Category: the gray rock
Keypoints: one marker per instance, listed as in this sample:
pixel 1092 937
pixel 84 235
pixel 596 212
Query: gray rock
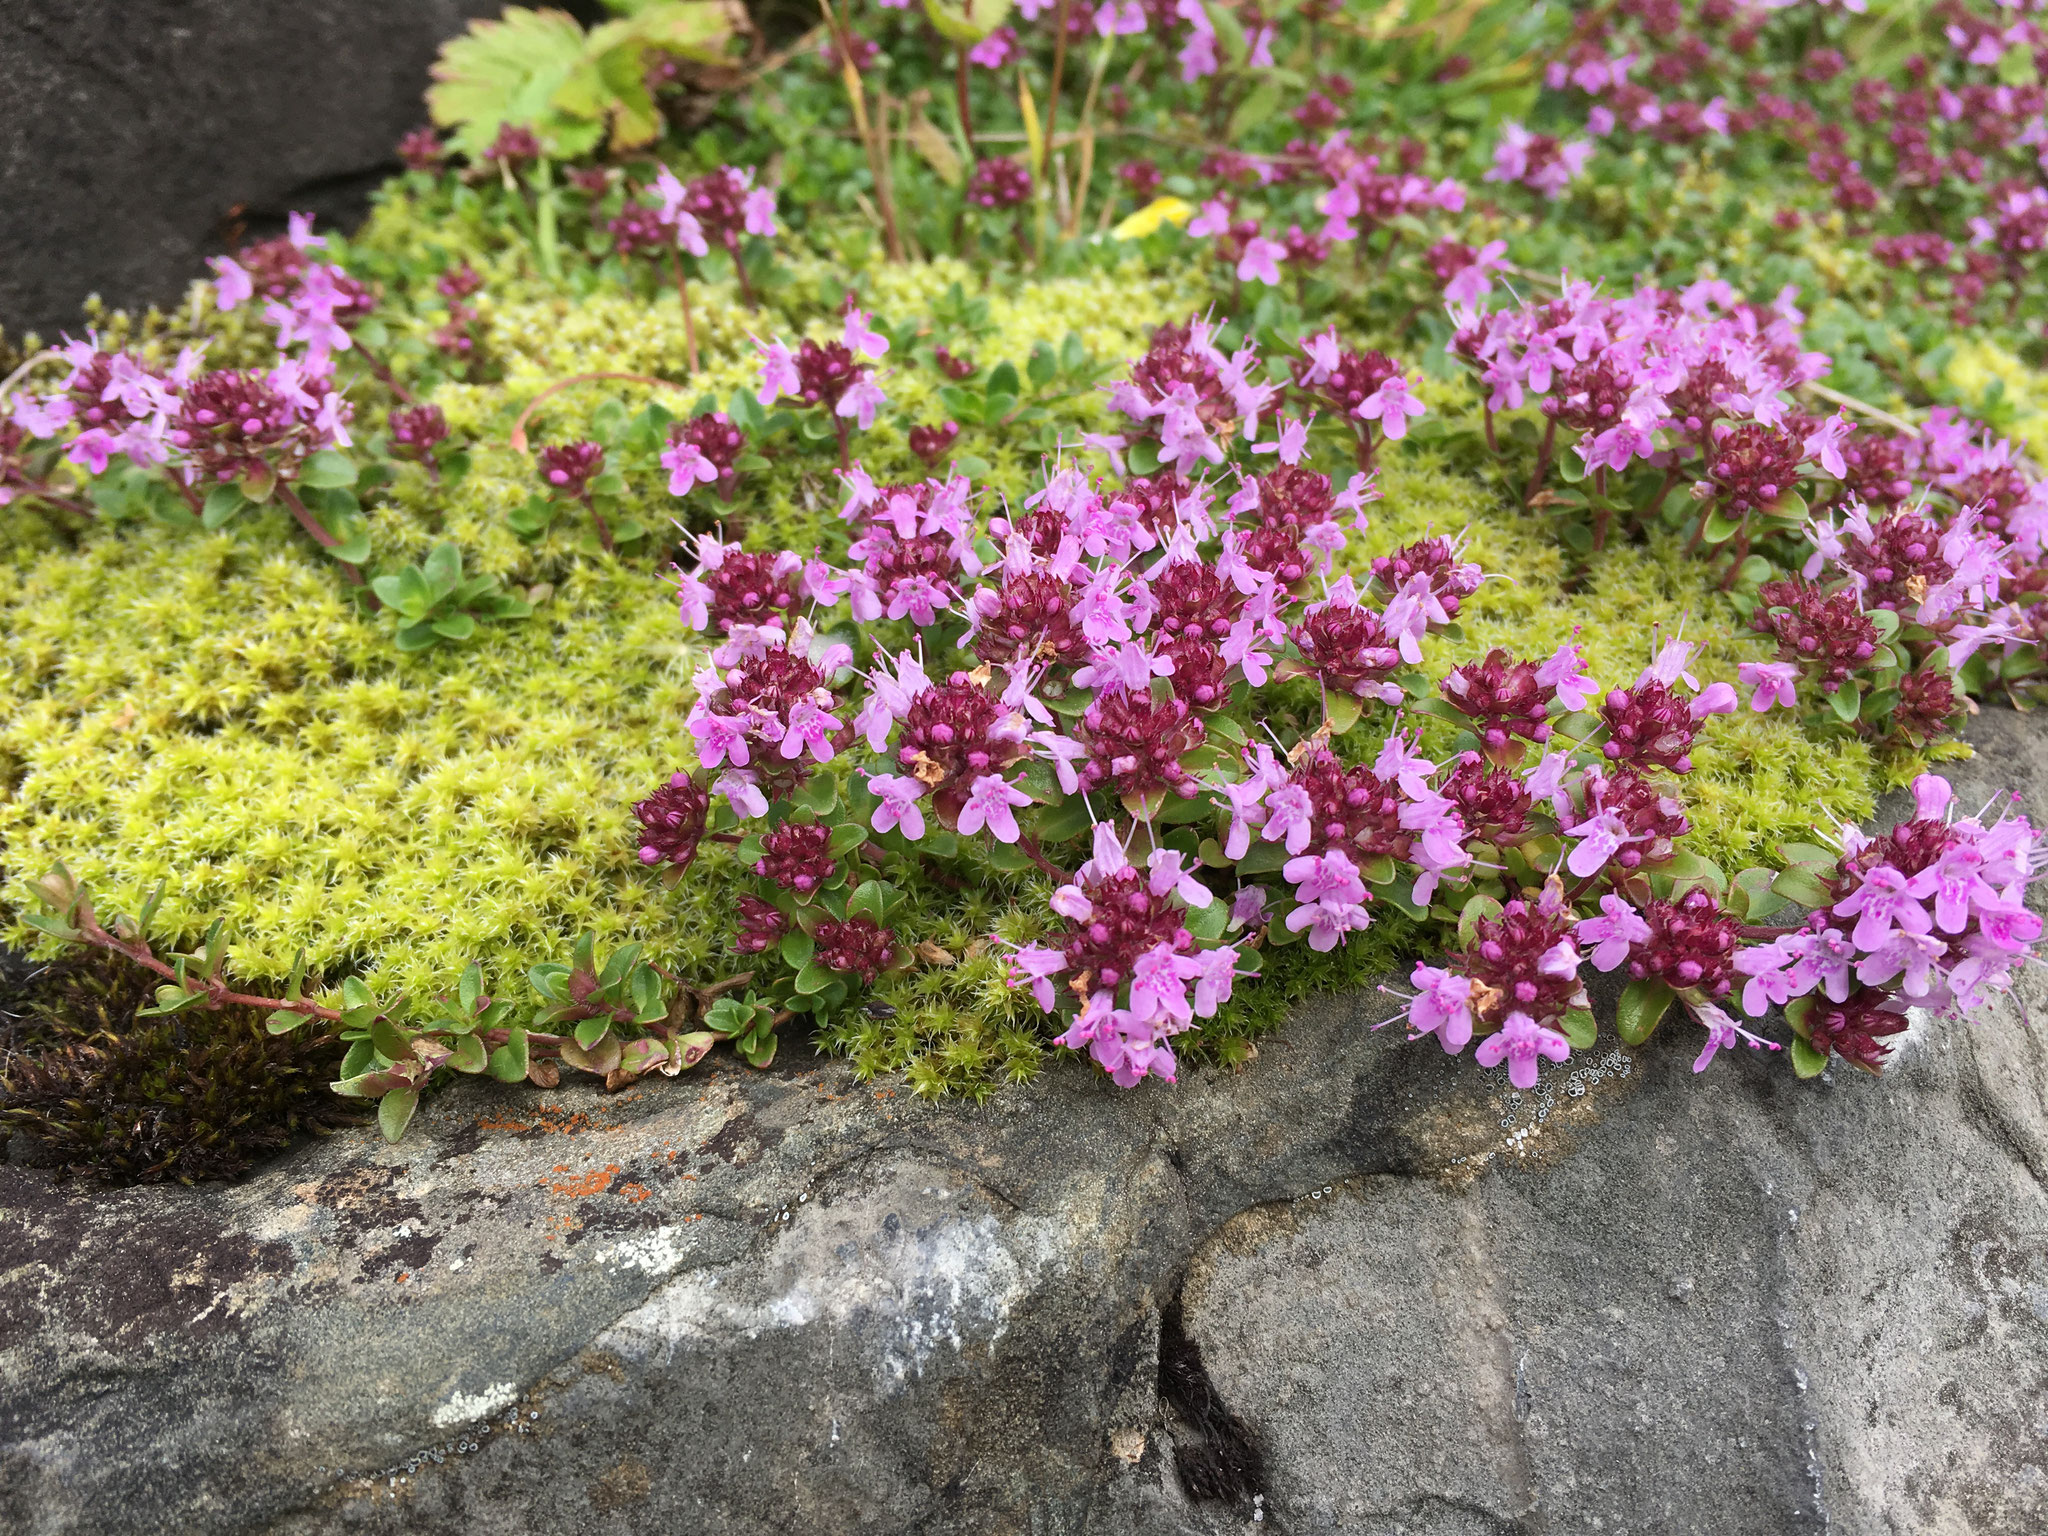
pixel 133 133
pixel 1356 1287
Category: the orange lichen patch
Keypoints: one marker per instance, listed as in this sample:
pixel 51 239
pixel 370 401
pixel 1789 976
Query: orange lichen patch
pixel 595 1182
pixel 500 1123
pixel 635 1192
pixel 561 1226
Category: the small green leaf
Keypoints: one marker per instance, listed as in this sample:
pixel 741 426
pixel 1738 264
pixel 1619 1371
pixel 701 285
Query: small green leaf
pixel 223 504
pixel 1806 1061
pixel 1478 908
pixel 1342 711
pixel 1003 380
pixel 328 470
pixel 389 1042
pixel 284 1020
pixel 590 1031
pixel 1847 702
pixel 797 949
pixel 813 978
pixel 1798 884
pixel 509 1061
pixel 394 1112
pixel 469 1055
pixel 846 837
pixel 1579 1028
pixel 469 990
pixel 1642 1008
pixel 1208 922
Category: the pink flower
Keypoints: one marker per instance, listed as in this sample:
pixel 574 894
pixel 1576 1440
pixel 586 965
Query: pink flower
pixel 778 373
pixel 1882 902
pixel 1470 284
pixel 989 804
pixel 1036 965
pixel 1520 1041
pixel 1614 932
pixel 1391 405
pixel 688 469
pixel 1332 876
pixel 861 400
pixel 862 339
pixel 1722 1031
pixel 1775 683
pixel 741 792
pixel 1442 1007
pixel 1212 971
pixel 232 285
pixel 899 810
pixel 1600 838
pixel 1565 673
pixel 1261 261
pixel 1328 922
pixel 759 212
pixel 1212 219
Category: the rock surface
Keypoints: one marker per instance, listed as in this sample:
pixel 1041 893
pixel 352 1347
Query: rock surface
pixel 1358 1287
pixel 132 130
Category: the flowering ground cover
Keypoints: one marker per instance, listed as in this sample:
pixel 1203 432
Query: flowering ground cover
pixel 969 535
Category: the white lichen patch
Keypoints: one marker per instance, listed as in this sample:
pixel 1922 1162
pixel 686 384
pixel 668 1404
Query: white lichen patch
pixel 468 1407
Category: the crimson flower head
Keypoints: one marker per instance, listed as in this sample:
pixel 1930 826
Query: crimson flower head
pixel 568 468
pixel 459 282
pixel 235 426
pixel 797 856
pixel 1194 600
pixel 857 946
pixel 954 733
pixel 1347 646
pixel 1345 386
pixel 422 150
pixel 1649 725
pixel 1503 698
pixel 1141 179
pixel 761 926
pixel 1125 920
pixel 1493 802
pixel 750 587
pixel 954 367
pixel 1691 945
pixel 1858 1029
pixel 999 183
pixel 1524 962
pixel 932 443
pixel 418 430
pixel 513 146
pixel 1029 618
pixel 1753 465
pixel 1826 633
pixel 1135 743
pixel 639 230
pixel 672 822
pixel 825 371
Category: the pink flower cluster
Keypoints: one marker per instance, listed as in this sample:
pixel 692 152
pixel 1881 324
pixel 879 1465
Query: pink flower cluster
pixel 1931 914
pixel 205 428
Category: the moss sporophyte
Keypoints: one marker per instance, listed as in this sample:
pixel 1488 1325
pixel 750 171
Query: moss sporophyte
pixel 1118 596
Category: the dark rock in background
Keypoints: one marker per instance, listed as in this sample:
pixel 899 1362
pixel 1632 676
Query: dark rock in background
pixel 135 135
pixel 1357 1287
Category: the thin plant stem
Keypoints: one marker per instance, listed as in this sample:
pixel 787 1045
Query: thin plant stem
pixel 689 321
pixel 321 536
pixel 1059 70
